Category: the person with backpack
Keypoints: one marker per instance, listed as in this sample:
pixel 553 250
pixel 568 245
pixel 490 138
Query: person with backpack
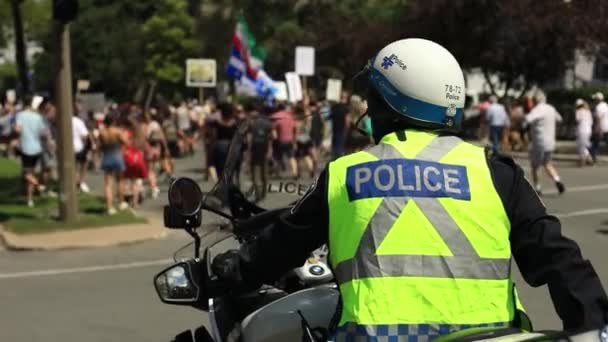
pixel 170 129
pixel 304 145
pixel 259 143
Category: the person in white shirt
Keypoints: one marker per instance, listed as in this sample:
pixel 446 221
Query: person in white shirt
pixel 601 116
pixel 584 123
pixel 80 136
pixel 542 120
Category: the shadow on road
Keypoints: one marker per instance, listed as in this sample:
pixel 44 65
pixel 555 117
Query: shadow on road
pixel 197 170
pixel 602 231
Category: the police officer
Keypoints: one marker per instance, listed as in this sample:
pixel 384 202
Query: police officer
pixel 422 227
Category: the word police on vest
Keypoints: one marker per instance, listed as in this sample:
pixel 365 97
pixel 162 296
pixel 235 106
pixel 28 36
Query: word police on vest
pixel 407 178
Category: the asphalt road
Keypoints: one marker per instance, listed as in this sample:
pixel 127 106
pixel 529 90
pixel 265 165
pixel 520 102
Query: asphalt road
pixel 106 294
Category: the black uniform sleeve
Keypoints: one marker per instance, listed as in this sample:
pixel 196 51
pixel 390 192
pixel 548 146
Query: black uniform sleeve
pixel 287 243
pixel 544 255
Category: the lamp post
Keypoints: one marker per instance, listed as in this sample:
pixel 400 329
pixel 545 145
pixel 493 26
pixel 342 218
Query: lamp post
pixel 65 11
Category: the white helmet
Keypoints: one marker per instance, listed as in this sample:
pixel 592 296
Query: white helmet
pixel 420 80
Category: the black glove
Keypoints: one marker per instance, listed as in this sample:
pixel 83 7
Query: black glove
pixel 227 267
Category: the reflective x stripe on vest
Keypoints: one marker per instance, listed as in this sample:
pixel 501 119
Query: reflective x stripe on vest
pixel 464 256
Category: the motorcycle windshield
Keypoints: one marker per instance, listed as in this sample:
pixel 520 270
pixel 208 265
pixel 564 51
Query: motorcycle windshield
pixel 236 177
pixel 245 153
pixel 212 236
pixel 218 194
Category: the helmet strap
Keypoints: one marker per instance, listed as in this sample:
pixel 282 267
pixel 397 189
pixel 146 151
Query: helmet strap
pixel 359 129
pixel 401 135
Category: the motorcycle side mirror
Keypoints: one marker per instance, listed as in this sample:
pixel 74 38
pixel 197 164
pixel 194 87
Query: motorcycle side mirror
pixel 176 285
pixel 185 197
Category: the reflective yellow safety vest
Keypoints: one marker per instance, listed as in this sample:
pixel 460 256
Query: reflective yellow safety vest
pixel 419 239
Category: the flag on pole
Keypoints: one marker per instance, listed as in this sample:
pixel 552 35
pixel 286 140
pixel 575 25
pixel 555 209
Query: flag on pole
pixel 246 64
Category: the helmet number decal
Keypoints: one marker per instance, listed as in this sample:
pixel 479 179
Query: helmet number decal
pixel 452 92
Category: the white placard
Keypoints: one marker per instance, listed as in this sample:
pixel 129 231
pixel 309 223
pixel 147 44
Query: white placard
pixel 95 102
pixel 201 73
pixel 334 89
pixel 281 94
pixel 305 60
pixel 294 87
pixel 36 101
pixel 11 96
pixel 83 85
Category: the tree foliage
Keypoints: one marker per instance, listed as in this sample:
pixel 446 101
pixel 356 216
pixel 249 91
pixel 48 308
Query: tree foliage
pixel 168 41
pixel 121 45
pixel 36 15
pixel 524 42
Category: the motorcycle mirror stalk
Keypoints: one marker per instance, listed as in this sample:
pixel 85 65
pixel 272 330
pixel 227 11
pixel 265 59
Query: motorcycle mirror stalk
pixel 185 209
pixel 174 220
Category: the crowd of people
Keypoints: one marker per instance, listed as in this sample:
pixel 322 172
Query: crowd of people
pixel 530 124
pixel 282 140
pixel 525 124
pixel 591 128
pixel 132 145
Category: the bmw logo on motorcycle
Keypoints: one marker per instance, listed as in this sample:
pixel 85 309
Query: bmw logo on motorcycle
pixel 316 270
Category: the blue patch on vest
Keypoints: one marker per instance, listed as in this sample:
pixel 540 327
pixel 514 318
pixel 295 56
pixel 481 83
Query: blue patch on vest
pixel 407 178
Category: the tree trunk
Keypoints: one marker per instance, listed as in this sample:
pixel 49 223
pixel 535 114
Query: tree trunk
pixel 486 76
pixel 508 85
pixel 20 52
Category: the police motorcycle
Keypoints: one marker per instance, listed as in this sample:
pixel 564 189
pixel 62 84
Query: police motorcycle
pixel 302 306
pixel 295 305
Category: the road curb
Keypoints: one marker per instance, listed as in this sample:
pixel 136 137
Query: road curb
pixel 557 157
pixel 2 243
pixel 84 238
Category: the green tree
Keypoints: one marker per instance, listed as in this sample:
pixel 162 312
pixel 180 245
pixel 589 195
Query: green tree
pixel 106 47
pixel 5 19
pixel 20 47
pixel 120 45
pixel 168 41
pixel 25 21
pixel 8 76
pixel 524 42
pixel 36 14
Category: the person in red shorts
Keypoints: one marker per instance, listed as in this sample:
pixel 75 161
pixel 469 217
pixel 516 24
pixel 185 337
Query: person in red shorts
pixel 136 169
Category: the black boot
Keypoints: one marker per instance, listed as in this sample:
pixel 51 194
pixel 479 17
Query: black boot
pixel 560 187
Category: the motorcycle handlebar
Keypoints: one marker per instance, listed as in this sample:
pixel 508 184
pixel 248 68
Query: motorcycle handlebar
pixel 257 223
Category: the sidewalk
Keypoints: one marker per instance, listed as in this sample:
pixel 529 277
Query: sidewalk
pixel 85 238
pixel 106 236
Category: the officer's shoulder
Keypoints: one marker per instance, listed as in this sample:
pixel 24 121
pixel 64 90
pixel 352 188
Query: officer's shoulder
pixel 503 166
pixel 348 158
